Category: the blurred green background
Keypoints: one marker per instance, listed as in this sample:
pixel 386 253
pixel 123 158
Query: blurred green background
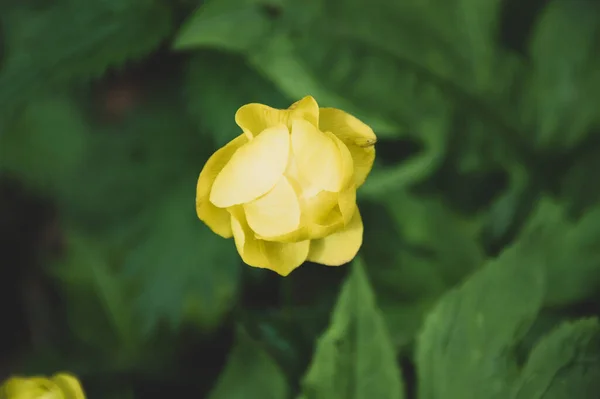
pixel 479 276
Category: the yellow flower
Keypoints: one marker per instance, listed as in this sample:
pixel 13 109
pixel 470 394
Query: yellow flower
pixel 285 188
pixel 60 386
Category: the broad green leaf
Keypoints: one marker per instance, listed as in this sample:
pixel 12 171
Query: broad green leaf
pixel 217 84
pixel 236 25
pixel 464 349
pixel 47 143
pixel 570 247
pixel 250 373
pixel 564 364
pixel 562 99
pixel 184 272
pixel 68 41
pixel 354 358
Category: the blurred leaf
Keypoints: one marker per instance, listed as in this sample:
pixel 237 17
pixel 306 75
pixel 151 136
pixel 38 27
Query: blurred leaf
pixel 184 270
pixel 355 357
pixel 421 247
pixel 564 364
pixel 464 348
pixel 92 287
pixel 46 144
pixel 70 40
pixel 149 150
pixel 562 97
pixel 575 187
pixel 250 373
pixel 217 84
pixel 216 23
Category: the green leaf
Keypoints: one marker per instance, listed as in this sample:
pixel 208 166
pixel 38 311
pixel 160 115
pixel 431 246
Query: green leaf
pixel 46 144
pixel 69 40
pixel 564 364
pixel 91 286
pixel 250 373
pixel 183 270
pixel 229 82
pixel 562 95
pixel 464 349
pixel 570 247
pixel 354 358
pixel 217 24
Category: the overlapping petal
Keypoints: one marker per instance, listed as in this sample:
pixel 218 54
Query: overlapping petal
pixel 275 213
pixel 217 219
pixel 317 157
pixel 253 170
pixel 340 247
pixel 254 118
pixel 277 256
pixel 356 135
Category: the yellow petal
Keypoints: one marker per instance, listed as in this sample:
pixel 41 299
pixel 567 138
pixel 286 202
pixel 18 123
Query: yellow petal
pixel 282 258
pixel 254 118
pixel 69 385
pixel 275 213
pixel 347 203
pixel 217 219
pixel 358 137
pixel 285 257
pixel 340 247
pixel 253 170
pixel 346 161
pixel 318 158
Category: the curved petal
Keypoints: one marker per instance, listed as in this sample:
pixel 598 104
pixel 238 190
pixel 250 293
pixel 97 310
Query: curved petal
pixel 253 170
pixel 275 213
pixel 285 257
pixel 358 137
pixel 347 203
pixel 317 157
pixel 341 247
pixel 346 161
pixel 254 118
pixel 69 385
pixel 217 219
pixel 281 258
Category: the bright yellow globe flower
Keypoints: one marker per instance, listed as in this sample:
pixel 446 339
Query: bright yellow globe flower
pixel 285 188
pixel 60 386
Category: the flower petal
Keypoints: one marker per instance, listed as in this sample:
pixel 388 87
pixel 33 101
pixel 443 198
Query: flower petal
pixel 358 137
pixel 217 219
pixel 318 158
pixel 347 163
pixel 275 213
pixel 285 257
pixel 340 247
pixel 282 258
pixel 69 385
pixel 253 169
pixel 347 203
pixel 254 118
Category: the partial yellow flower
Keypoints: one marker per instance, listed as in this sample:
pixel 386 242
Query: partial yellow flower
pixel 60 386
pixel 285 189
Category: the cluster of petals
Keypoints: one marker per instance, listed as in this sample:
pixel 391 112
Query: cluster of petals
pixel 285 188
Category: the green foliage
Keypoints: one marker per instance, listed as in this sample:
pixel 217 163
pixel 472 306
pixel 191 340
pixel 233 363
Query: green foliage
pixel 481 244
pixel 565 363
pixel 354 358
pixel 48 46
pixel 465 346
pixel 250 373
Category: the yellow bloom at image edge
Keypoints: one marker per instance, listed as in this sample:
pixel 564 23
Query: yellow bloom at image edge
pixel 60 386
pixel 285 189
